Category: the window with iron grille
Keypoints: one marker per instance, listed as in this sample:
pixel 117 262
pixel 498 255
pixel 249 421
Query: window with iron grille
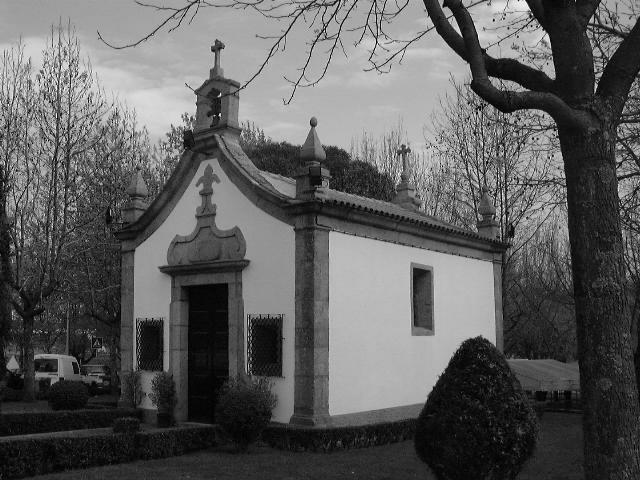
pixel 264 345
pixel 149 343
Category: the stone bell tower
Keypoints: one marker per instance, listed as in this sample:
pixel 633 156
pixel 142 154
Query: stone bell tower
pixel 217 101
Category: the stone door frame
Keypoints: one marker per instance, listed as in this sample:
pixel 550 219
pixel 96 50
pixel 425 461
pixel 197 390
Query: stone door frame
pixel 183 277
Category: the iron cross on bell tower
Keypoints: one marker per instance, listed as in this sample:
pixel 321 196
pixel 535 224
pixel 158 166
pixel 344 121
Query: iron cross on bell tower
pixel 217 48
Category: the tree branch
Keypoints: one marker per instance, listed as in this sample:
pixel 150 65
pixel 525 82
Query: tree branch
pixel 505 101
pixel 586 9
pixel 537 10
pixel 621 70
pixel 176 16
pixel 502 68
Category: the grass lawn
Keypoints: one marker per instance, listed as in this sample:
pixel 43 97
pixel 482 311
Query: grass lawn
pixel 559 457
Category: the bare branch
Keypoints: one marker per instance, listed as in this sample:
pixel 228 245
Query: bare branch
pixel 621 70
pixel 586 9
pixel 177 15
pixel 537 10
pixel 503 68
pixel 505 101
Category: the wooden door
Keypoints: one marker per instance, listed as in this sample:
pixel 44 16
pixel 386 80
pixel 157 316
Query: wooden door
pixel 208 363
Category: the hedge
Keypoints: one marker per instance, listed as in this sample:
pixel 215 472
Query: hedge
pixel 12 394
pixel 126 425
pixel 39 455
pixel 40 422
pixel 172 441
pixel 301 439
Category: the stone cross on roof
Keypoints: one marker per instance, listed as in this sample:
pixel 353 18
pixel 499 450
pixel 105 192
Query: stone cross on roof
pixel 404 150
pixel 216 48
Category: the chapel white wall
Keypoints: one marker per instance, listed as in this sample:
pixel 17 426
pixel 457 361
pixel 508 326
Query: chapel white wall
pixel 267 282
pixel 374 361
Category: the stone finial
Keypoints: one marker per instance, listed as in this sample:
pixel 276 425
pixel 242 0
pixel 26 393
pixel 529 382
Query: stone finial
pixel 137 192
pixel 312 175
pixel 487 225
pixel 137 187
pixel 486 209
pixel 217 70
pixel 405 192
pixel 312 150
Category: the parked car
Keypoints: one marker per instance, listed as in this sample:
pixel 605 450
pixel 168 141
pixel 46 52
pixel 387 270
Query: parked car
pixel 97 378
pixel 51 368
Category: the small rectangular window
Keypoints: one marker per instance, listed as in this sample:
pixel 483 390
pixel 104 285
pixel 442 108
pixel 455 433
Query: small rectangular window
pixel 149 351
pixel 264 345
pixel 76 369
pixel 422 300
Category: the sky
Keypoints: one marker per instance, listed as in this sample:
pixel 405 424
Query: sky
pixel 151 77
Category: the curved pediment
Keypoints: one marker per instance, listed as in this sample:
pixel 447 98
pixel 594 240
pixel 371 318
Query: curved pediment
pixel 207 243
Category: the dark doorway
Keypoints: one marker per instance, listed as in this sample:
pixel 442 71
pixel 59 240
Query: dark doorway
pixel 208 349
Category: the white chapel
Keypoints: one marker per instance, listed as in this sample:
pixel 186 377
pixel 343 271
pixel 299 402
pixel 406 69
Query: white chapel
pixel 351 306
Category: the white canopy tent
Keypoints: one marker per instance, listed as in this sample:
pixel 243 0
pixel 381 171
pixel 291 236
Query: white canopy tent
pixel 546 375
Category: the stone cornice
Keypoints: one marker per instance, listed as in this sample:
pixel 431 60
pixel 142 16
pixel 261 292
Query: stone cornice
pixel 400 226
pixel 205 267
pixel 396 229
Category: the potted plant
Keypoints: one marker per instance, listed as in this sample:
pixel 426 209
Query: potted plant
pixel 163 396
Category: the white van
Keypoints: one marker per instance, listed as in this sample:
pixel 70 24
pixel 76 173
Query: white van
pixel 56 367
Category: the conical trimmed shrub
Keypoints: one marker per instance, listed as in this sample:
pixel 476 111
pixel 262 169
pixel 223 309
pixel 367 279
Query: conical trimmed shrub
pixel 477 423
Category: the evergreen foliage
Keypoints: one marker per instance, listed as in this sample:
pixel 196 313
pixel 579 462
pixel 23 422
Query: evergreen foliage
pixel 68 395
pixel 244 410
pixel 356 177
pixel 126 425
pixel 37 455
pixel 477 423
pixel 26 423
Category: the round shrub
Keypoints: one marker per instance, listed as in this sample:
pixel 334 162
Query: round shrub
pixel 68 395
pixel 244 410
pixel 477 422
pixel 126 425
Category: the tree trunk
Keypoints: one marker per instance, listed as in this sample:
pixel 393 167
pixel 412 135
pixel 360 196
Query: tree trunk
pixel 114 343
pixel 28 364
pixel 635 319
pixel 611 421
pixel 5 251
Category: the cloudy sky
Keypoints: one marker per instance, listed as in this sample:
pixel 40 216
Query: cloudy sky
pixel 151 77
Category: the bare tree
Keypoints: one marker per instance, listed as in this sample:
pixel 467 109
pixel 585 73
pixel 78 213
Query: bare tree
pixel 512 155
pixel 123 146
pixel 541 317
pixel 64 107
pixel 431 178
pixel 16 111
